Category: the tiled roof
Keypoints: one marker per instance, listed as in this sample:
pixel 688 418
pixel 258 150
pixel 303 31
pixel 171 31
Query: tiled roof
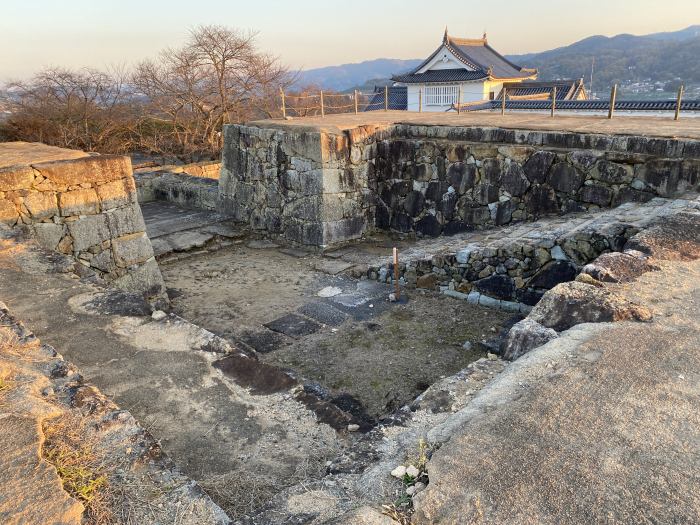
pixel 588 105
pixel 475 54
pixel 441 75
pixel 566 89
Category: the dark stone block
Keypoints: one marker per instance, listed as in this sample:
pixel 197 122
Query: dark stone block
pixel 263 341
pixel 514 180
pixel 422 172
pixel 630 195
pixel 436 189
pixel 461 176
pixel 293 325
pixel 504 212
pixel 429 226
pixel 323 313
pixel 491 171
pixel 596 194
pixel 454 227
pixel 537 166
pixel 261 378
pixel 401 222
pixel 485 193
pixel 476 215
pixel 447 205
pixel 414 203
pixel 382 217
pixel 611 172
pixel 564 177
pixel 541 200
pixel 554 273
pixel 498 286
pixel 661 175
pixel 529 297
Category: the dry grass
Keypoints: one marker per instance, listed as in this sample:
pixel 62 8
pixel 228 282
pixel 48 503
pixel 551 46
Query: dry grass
pixel 84 478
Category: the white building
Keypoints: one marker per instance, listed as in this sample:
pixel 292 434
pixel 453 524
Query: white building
pixel 460 67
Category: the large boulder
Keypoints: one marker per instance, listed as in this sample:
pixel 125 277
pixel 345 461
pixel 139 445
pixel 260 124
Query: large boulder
pixel 554 273
pixel 498 286
pixel 675 238
pixel 573 303
pixel 619 267
pixel 524 336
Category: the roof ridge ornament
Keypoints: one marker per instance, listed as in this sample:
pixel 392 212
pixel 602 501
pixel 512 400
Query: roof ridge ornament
pixel 486 40
pixel 445 38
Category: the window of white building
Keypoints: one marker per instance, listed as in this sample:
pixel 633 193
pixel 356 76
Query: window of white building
pixel 441 95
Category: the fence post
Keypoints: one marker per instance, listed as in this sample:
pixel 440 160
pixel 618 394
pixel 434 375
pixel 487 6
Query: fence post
pixel 323 110
pixel 284 107
pixel 681 89
pixel 420 100
pixel 459 100
pixel 503 102
pixel 613 96
pixel 554 99
pixel 386 98
pixel 355 97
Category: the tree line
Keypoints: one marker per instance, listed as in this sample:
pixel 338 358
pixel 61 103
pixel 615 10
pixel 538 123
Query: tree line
pixel 175 103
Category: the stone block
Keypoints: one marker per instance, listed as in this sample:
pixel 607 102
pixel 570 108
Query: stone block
pixel 565 178
pixel 131 249
pixel 8 212
pixel 145 279
pixel 79 202
pixel 93 169
pixel 117 193
pixel 89 231
pixel 16 178
pixel 41 205
pixel 124 221
pixel 48 234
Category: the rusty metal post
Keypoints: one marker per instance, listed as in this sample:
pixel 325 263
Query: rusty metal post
pixel 386 98
pixel 284 107
pixel 613 96
pixel 355 102
pixel 397 288
pixel 323 110
pixel 503 102
pixel 459 100
pixel 420 100
pixel 681 89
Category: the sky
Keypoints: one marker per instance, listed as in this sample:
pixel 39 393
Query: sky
pixel 311 33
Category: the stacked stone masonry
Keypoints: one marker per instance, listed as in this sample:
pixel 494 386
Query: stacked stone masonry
pixel 320 187
pixel 85 207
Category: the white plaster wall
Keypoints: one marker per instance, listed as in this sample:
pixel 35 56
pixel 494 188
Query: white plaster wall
pixel 471 92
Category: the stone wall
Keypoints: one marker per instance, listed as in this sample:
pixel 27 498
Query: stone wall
pixel 180 188
pixel 320 187
pixel 205 169
pixel 85 207
pixel 301 184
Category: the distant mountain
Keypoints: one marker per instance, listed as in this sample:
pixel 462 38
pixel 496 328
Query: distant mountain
pixel 348 76
pixel 667 58
pixel 638 63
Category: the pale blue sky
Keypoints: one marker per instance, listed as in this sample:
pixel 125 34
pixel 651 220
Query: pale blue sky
pixel 312 33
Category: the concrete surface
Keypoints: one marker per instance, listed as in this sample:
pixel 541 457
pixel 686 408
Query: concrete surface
pixel 662 126
pixel 23 153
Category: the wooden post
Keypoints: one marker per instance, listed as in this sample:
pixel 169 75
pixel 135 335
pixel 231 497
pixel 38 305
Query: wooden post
pixel 420 100
pixel 386 98
pixel 613 96
pixel 554 99
pixel 459 100
pixel 681 89
pixel 284 107
pixel 323 110
pixel 355 102
pixel 397 289
pixel 503 102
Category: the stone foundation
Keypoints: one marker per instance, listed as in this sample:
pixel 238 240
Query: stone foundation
pixel 85 207
pixel 324 186
pixel 179 188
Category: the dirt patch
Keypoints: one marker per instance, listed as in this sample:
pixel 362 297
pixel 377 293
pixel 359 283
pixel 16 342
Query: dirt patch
pixel 387 361
pixel 259 377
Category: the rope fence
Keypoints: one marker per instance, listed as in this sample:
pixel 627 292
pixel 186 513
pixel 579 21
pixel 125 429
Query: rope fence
pixel 386 99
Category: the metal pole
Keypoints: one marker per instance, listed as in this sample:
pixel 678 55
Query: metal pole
pixel 613 96
pixel 554 99
pixel 386 98
pixel 323 111
pixel 397 289
pixel 681 89
pixel 459 100
pixel 420 100
pixel 503 102
pixel 355 102
pixel 284 107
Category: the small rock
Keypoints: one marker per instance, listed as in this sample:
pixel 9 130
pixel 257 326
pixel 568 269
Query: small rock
pixel 467 346
pixel 158 315
pixel 329 291
pixel 418 487
pixel 412 471
pixel 48 391
pixel 399 472
pixel 491 357
pixel 411 490
pixel 392 298
pixel 353 427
